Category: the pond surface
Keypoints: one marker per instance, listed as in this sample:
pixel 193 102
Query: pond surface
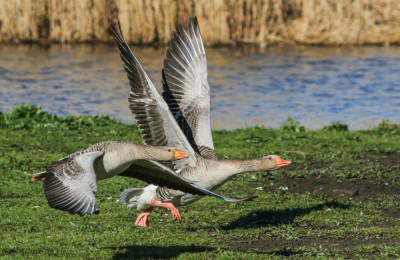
pixel 249 86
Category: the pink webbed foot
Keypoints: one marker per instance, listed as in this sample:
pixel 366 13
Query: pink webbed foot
pixel 174 211
pixel 142 219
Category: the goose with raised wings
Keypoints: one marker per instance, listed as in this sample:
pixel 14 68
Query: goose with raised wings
pixel 180 118
pixel 69 183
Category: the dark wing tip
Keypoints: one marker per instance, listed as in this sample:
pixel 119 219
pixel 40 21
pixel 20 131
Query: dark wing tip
pixel 96 212
pixel 190 20
pixel 228 199
pixel 196 23
pixel 249 198
pixel 118 35
pixel 181 30
pixel 113 30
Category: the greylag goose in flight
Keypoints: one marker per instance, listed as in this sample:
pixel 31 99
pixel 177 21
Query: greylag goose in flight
pixel 180 118
pixel 69 183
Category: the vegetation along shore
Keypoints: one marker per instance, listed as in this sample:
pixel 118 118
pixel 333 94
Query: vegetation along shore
pixel 339 198
pixel 322 22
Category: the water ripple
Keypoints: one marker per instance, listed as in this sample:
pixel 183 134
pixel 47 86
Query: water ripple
pixel 314 85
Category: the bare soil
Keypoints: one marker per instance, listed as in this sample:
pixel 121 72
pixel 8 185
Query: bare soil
pixel 286 247
pixel 331 187
pixel 338 193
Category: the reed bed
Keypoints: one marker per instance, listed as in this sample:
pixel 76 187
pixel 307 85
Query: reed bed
pixel 322 22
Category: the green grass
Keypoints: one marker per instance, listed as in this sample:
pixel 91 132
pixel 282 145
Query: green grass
pixel 290 217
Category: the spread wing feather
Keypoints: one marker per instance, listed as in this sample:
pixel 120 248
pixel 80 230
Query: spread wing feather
pixel 156 122
pixel 186 89
pixel 70 183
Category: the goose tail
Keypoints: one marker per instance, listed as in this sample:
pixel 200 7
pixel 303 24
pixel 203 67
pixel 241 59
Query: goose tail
pixel 130 197
pixel 40 176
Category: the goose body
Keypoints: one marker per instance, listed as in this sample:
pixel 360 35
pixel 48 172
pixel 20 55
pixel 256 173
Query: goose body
pixel 69 183
pixel 180 118
pixel 209 174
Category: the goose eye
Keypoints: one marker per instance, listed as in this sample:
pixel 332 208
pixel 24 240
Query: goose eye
pixel 270 158
pixel 169 150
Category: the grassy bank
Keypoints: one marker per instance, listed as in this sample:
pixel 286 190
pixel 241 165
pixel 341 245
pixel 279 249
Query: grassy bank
pixel 327 22
pixel 340 196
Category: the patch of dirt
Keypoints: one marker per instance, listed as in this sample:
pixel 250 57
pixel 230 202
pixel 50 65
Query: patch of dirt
pixel 330 187
pixel 392 159
pixel 387 163
pixel 312 165
pixel 391 213
pixel 337 192
pixel 285 247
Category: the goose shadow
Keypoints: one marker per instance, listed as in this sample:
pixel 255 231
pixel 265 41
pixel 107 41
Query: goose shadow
pixel 264 218
pixel 164 252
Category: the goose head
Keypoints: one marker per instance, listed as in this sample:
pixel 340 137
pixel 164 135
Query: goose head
pixel 171 153
pixel 272 162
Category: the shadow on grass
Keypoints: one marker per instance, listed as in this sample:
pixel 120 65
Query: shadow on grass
pixel 164 252
pixel 263 218
pixel 286 252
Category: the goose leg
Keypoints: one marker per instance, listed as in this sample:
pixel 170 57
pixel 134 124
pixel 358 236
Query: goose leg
pixel 142 219
pixel 174 211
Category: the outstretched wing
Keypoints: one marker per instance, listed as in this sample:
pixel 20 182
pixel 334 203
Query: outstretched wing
pixel 186 88
pixel 160 175
pixel 70 183
pixel 156 123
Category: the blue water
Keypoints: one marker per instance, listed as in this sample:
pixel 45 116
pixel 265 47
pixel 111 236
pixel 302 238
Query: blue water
pixel 315 85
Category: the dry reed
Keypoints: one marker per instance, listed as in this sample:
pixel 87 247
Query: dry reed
pixel 329 22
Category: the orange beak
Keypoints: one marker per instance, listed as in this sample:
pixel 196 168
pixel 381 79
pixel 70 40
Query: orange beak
pixel 281 162
pixel 180 155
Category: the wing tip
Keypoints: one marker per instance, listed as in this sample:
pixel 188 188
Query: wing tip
pixel 248 198
pixel 113 30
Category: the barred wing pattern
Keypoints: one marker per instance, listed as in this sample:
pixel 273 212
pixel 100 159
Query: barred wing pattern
pixel 186 89
pixel 70 183
pixel 157 125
